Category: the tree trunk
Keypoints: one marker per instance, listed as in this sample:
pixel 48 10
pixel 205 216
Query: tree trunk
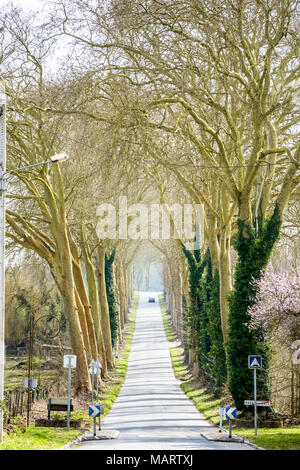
pixel 84 328
pixel 94 300
pixel 105 321
pixel 225 279
pixel 65 282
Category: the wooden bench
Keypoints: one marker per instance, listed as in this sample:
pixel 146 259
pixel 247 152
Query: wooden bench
pixel 58 404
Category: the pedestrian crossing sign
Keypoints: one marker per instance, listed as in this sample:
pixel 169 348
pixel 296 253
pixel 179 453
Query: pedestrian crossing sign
pixel 254 362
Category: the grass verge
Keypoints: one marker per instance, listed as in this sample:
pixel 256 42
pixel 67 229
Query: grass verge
pixel 42 438
pixel 285 438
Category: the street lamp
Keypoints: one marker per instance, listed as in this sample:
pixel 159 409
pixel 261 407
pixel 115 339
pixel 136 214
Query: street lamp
pixel 60 157
pixel 55 158
pixel 2 268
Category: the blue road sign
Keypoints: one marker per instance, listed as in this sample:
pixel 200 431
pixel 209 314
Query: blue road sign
pixel 231 413
pixel 254 362
pixel 94 411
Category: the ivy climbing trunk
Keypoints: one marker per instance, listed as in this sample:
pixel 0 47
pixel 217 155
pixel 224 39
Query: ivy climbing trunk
pixel 105 321
pixel 111 299
pixel 254 250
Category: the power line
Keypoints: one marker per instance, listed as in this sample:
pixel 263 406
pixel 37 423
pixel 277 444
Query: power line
pixel 158 162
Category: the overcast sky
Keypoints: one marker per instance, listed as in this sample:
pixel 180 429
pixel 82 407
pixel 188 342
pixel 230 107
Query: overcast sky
pixel 28 4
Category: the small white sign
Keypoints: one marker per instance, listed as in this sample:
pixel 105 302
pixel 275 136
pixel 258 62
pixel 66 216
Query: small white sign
pixel 32 383
pixel 95 367
pixel 70 360
pixel 258 403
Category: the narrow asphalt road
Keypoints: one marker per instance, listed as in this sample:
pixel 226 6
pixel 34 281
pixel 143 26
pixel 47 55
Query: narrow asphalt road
pixel 151 411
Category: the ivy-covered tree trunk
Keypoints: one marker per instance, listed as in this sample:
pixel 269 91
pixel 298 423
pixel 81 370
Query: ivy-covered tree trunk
pixel 218 370
pixel 254 250
pixel 204 296
pixel 204 319
pixel 185 339
pixel 196 268
pixel 105 321
pixel 123 282
pixel 111 300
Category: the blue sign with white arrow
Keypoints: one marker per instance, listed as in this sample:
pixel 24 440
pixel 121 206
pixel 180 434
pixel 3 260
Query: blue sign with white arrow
pixel 94 411
pixel 231 413
pixel 254 362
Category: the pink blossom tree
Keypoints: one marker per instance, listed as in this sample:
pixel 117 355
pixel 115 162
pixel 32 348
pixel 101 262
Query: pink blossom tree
pixel 277 307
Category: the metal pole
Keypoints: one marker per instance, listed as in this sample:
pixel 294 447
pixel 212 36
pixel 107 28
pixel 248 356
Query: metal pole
pixel 98 400
pixel 69 395
pixel 255 405
pixel 30 353
pixel 94 419
pixel 230 430
pixel 2 246
pixel 221 419
pixel 97 388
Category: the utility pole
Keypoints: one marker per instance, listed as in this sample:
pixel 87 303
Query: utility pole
pixel 2 254
pixel 30 357
pixel 55 158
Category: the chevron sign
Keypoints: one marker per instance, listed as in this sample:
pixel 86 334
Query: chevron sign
pixel 230 413
pixel 94 411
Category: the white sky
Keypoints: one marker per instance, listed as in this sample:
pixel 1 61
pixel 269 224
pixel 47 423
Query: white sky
pixel 38 6
pixel 26 4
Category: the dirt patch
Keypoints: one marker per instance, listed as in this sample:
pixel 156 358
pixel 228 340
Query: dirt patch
pixel 264 423
pixel 59 423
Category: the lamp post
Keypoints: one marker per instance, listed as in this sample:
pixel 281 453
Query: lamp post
pixel 55 158
pixel 2 263
pixel 99 368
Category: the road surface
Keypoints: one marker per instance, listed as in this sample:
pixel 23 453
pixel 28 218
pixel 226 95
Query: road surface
pixel 151 411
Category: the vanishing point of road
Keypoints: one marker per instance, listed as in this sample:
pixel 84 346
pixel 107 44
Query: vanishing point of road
pixel 152 412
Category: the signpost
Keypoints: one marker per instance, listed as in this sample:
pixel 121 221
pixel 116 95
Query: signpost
pixel 69 363
pixel 95 369
pixel 258 403
pixel 116 354
pixel 99 367
pixel 95 411
pixel 222 413
pixel 230 414
pixel 254 362
pixel 2 246
pixel 30 383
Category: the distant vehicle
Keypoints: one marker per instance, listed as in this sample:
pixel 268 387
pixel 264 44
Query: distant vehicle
pixel 151 299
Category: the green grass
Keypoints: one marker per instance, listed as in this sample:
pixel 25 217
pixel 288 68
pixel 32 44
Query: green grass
pixel 42 438
pixel 36 438
pixel 285 438
pixel 180 368
pixel 171 336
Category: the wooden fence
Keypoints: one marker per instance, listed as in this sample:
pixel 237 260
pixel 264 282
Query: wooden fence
pixel 16 400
